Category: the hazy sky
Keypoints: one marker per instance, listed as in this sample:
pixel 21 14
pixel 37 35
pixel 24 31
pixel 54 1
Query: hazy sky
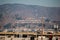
pixel 48 3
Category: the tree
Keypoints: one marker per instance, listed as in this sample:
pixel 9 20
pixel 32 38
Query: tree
pixel 1 15
pixel 7 25
pixel 47 20
pixel 18 17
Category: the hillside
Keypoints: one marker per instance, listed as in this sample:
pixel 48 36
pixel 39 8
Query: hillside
pixel 11 12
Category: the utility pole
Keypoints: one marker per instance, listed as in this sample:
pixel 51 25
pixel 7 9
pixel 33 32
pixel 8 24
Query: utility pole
pixel 42 21
pixel 42 32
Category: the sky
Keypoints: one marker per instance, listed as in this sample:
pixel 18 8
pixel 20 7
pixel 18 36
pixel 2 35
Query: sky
pixel 48 3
